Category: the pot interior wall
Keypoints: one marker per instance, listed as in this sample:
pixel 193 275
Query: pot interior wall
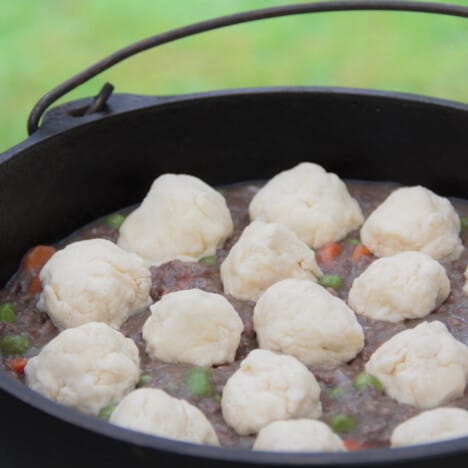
pixel 52 187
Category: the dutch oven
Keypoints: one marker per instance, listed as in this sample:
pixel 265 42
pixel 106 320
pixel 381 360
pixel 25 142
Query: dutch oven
pixel 94 156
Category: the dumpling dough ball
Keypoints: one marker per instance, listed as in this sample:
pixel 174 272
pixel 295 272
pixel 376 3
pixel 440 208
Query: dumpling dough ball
pixel 408 285
pixel 300 435
pixel 193 327
pixel 301 318
pixel 414 218
pixel 314 203
pixel 180 218
pixel 269 387
pixel 93 281
pixel 155 412
pixel 431 426
pixel 264 254
pixel 424 366
pixel 465 288
pixel 86 367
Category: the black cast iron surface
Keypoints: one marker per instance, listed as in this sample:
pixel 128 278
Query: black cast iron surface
pixel 74 170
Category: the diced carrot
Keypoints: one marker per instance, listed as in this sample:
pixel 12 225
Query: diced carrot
pixel 35 286
pixel 17 364
pixel 328 253
pixel 353 445
pixel 361 251
pixel 36 258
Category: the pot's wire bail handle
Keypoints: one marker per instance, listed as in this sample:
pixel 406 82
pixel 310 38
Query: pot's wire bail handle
pixel 223 21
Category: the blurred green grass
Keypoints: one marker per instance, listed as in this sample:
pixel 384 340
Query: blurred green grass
pixel 44 42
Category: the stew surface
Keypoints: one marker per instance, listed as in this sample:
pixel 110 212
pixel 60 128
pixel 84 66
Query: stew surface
pixel 364 416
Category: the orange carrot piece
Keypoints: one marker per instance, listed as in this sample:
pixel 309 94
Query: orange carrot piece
pixel 328 253
pixel 35 286
pixel 361 251
pixel 17 364
pixel 353 445
pixel 36 258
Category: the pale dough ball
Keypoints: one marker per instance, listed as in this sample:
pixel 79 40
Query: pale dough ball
pixel 414 218
pixel 431 426
pixel 264 254
pixel 180 218
pixel 424 366
pixel 194 327
pixel 408 285
pixel 86 367
pixel 315 204
pixel 269 387
pixel 300 435
pixel 465 288
pixel 301 318
pixel 155 412
pixel 93 281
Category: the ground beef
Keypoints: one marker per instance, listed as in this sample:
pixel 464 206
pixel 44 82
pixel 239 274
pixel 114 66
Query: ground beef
pixel 177 275
pixel 376 414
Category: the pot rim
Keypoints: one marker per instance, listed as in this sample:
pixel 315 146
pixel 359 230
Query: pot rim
pixel 58 121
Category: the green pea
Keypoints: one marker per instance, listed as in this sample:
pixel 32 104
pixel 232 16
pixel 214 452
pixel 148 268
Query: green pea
pixel 115 220
pixel 106 412
pixel 463 224
pixel 210 260
pixel 198 382
pixel 14 344
pixel 353 241
pixel 331 281
pixel 365 380
pixel 7 313
pixel 342 423
pixel 144 379
pixel 335 393
pixel 171 387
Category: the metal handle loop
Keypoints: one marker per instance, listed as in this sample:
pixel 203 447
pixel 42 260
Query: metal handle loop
pixel 216 23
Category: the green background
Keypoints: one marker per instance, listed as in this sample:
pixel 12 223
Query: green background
pixel 44 42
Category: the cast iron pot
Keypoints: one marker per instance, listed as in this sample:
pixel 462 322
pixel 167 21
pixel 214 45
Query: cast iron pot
pixel 91 157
